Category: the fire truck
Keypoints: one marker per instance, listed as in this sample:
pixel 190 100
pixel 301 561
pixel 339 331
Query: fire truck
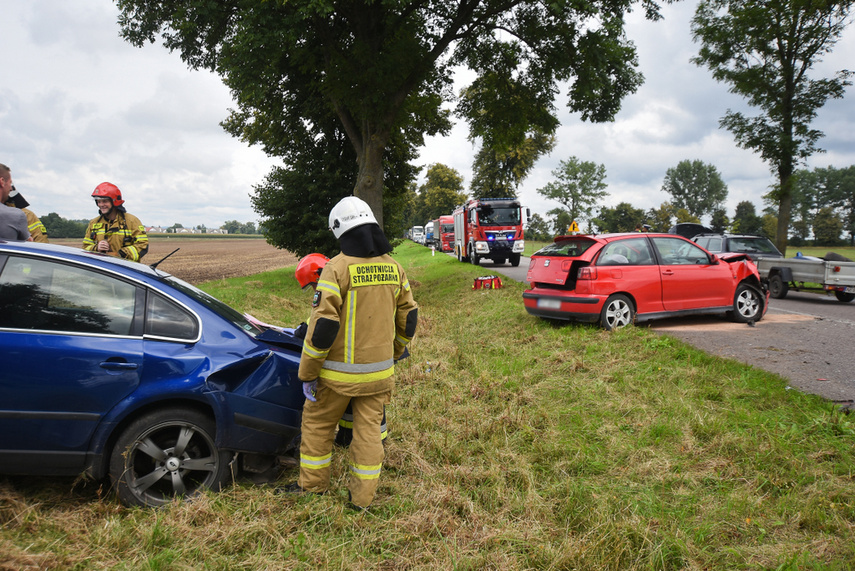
pixel 489 228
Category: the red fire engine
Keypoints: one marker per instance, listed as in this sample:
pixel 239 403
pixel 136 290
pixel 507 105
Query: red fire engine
pixel 489 228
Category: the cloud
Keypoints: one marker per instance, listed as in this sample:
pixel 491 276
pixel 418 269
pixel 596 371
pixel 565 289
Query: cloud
pixel 79 106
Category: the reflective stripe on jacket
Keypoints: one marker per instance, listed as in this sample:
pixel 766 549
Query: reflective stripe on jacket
pixel 38 232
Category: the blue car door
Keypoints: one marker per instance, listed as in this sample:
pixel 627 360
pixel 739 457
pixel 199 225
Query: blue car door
pixel 72 348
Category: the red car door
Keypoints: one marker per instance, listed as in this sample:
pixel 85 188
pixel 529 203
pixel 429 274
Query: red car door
pixel 689 279
pixel 628 265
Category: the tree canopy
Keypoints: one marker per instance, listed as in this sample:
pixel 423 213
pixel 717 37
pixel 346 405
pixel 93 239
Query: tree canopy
pixel 660 219
pixel 498 174
pixel 59 227
pixel 746 220
pixel 579 185
pixel 385 69
pixel 695 186
pixel 823 187
pixel 622 218
pixel 765 49
pixel 440 194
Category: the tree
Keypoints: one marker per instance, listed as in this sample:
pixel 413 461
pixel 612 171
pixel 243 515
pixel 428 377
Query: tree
pixel 768 225
pixel 441 192
pixel 803 204
pixel 294 201
pixel 580 185
pixel 764 49
pixel 719 220
pixel 695 186
pixel 820 188
pixel 384 68
pixel 59 227
pixel 231 226
pixel 537 229
pixel 498 174
pixel 660 218
pixel 683 215
pixel 622 218
pixel 835 189
pixel 560 220
pixel 827 227
pixel 745 219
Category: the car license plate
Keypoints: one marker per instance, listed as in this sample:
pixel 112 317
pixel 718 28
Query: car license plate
pixel 549 304
pixel 849 289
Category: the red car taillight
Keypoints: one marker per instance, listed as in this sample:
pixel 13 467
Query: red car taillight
pixel 587 273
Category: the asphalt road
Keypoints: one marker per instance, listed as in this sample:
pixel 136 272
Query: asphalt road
pixel 806 338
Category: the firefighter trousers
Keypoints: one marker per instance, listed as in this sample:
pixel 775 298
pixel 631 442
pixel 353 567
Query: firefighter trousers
pixel 365 455
pixel 345 427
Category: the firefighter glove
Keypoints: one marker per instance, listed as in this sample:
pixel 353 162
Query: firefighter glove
pixel 309 389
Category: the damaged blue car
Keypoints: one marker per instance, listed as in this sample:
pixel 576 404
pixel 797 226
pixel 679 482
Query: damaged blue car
pixel 117 369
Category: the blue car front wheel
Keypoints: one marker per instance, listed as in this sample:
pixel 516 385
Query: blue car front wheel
pixel 167 454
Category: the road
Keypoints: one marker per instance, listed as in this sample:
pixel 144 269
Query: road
pixel 806 338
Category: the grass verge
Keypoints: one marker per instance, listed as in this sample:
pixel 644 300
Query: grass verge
pixel 515 443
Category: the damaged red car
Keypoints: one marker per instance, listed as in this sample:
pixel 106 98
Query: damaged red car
pixel 619 279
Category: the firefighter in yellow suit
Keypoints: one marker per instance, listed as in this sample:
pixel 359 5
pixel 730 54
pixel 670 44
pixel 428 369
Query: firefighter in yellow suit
pixel 363 317
pixel 115 232
pixel 307 273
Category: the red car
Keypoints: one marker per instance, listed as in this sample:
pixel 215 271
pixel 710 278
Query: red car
pixel 616 279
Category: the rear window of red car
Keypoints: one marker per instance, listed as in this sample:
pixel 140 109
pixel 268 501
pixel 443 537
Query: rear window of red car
pixel 570 248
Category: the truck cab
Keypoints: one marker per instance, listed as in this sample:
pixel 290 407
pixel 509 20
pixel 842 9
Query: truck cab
pixel 489 228
pixel 446 233
pixel 418 234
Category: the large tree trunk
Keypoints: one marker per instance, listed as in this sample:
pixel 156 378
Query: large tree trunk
pixel 785 204
pixel 369 181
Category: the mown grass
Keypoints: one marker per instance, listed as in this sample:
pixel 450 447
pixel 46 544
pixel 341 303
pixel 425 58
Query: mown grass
pixel 515 443
pixel 821 251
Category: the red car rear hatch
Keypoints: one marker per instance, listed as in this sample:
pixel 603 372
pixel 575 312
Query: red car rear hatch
pixel 551 265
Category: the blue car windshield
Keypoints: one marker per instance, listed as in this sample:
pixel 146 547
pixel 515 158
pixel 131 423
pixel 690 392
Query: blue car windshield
pixel 567 248
pixel 215 305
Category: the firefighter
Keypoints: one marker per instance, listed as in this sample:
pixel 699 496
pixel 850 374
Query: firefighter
pixel 363 317
pixel 114 231
pixel 38 232
pixel 307 273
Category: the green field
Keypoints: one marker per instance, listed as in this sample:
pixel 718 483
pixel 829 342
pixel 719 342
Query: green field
pixel 515 443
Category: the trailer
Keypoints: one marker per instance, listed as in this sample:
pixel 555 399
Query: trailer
pixel 807 273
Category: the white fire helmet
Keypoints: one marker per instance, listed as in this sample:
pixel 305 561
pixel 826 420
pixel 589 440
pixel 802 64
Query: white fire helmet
pixel 349 213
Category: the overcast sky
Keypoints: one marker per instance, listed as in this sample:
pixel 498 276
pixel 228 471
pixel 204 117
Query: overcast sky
pixel 79 106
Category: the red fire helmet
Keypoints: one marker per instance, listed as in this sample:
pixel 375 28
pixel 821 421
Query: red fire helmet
pixel 309 269
pixel 109 190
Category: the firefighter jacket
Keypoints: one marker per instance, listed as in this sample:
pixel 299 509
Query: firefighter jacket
pixel 126 236
pixel 363 317
pixel 38 232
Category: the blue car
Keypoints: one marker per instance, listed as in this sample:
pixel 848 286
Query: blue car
pixel 116 368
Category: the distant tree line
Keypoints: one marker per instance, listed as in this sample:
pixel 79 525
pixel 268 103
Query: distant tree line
pixel 59 227
pixel 823 204
pixel 235 227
